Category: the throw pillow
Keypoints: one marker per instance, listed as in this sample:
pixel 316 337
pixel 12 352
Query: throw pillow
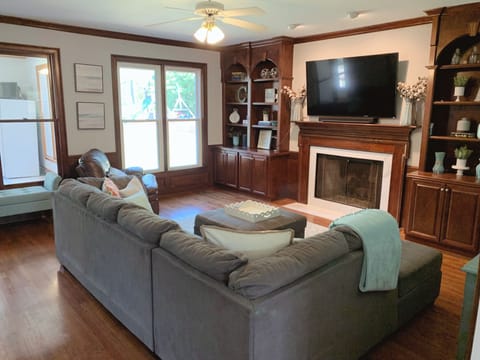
pixel 139 198
pixel 133 186
pixel 252 244
pixel 110 188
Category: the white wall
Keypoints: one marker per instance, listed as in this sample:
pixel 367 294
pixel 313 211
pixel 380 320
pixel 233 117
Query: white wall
pixel 412 44
pixel 75 48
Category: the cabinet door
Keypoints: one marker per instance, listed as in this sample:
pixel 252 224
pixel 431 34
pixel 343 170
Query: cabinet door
pixel 245 166
pixel 426 209
pixel 219 171
pixel 259 175
pixel 461 220
pixel 231 166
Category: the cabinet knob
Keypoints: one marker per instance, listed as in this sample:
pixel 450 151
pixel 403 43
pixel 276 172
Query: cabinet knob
pixel 447 189
pixel 442 189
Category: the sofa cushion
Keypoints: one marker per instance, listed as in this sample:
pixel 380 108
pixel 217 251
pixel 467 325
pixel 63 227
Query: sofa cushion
pixel 132 187
pixel 262 276
pixel 144 223
pixel 418 263
pixel 253 244
pixel 104 206
pixel 77 191
pixel 209 258
pixel 51 181
pixel 23 195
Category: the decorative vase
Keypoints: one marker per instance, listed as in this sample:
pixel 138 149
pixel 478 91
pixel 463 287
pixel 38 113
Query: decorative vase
pixel 296 112
pixel 458 92
pixel 438 166
pixel 461 163
pixel 463 125
pixel 409 112
pixel 477 171
pixel 236 140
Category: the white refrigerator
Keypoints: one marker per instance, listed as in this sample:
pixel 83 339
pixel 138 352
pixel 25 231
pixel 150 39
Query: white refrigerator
pixel 18 141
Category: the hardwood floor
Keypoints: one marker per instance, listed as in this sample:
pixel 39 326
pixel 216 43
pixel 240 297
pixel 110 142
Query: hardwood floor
pixel 46 314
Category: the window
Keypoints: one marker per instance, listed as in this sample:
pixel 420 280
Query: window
pixel 29 113
pixel 160 114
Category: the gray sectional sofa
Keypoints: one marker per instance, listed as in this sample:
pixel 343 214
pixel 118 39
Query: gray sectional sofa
pixel 185 298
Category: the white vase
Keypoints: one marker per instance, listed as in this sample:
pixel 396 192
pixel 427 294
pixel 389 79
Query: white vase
pixel 407 117
pixel 296 111
pixel 461 163
pixel 463 125
pixel 458 91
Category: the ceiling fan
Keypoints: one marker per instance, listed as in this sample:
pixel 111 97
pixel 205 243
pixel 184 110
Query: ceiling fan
pixel 209 11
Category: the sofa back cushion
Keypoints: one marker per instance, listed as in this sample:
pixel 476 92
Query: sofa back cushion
pixel 209 258
pixel 105 206
pixel 77 191
pixel 262 276
pixel 144 223
pixel 252 244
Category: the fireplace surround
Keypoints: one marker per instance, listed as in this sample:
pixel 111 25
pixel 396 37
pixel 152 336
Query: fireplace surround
pixel 391 140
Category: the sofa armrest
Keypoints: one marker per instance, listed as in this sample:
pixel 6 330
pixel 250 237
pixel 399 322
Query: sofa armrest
pixel 150 183
pixel 134 170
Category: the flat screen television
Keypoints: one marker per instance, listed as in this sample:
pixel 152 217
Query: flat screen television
pixel 361 86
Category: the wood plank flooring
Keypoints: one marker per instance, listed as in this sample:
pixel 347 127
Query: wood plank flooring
pixel 46 314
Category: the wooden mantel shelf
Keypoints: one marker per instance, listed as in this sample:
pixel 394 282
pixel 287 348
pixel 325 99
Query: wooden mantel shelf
pixel 374 132
pixel 381 138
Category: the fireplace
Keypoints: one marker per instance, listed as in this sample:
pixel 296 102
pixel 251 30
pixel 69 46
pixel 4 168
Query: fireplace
pixel 342 181
pixel 348 181
pixel 387 144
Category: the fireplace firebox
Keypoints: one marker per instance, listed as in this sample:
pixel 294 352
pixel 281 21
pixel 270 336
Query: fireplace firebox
pixel 349 181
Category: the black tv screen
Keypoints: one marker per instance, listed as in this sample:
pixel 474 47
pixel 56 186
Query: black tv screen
pixel 361 86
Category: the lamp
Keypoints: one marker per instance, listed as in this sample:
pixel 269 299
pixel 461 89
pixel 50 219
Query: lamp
pixel 209 32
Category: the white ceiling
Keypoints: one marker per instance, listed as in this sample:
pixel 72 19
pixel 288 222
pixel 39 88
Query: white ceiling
pixel 132 16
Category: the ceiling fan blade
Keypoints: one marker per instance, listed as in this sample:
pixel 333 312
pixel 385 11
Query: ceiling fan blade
pixel 243 24
pixel 243 12
pixel 174 21
pixel 176 8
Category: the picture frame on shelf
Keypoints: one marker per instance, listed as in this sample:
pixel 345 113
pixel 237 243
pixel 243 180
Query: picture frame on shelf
pixel 88 78
pixel 90 116
pixel 271 95
pixel 241 94
pixel 264 139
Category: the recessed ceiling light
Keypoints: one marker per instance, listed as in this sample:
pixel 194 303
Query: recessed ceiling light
pixel 353 14
pixel 294 26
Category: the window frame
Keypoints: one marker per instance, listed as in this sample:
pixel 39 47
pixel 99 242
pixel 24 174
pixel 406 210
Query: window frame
pixel 57 102
pixel 116 60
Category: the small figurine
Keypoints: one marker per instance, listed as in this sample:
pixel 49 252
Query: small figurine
pixel 456 57
pixel 473 58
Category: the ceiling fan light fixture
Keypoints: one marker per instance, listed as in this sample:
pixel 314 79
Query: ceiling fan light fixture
pixel 209 33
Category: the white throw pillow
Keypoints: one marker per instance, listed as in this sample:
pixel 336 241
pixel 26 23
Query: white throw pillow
pixel 133 186
pixel 135 194
pixel 252 244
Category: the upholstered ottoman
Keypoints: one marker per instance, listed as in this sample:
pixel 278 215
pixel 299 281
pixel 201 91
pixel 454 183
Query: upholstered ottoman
pixel 286 220
pixel 419 279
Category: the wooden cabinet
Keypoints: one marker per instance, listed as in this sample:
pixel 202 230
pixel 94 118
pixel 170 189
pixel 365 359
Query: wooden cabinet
pixel 226 167
pixel 444 210
pixel 252 173
pixel 261 172
pixel 253 75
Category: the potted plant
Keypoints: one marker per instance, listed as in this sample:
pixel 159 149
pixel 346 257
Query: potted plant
pixel 462 154
pixel 235 134
pixel 459 81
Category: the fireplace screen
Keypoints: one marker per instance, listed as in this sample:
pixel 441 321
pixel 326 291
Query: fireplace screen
pixel 349 181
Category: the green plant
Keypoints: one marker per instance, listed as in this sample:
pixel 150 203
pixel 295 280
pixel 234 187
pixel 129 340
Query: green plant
pixel 460 80
pixel 463 152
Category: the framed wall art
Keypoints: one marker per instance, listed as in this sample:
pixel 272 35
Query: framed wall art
pixel 88 78
pixel 90 115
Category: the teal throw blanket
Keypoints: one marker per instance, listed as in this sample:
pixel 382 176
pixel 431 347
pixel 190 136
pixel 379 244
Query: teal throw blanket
pixel 382 247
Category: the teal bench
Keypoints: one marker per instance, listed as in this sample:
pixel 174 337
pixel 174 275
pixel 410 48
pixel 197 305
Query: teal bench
pixel 29 199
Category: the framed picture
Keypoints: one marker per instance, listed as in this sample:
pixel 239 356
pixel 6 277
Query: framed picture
pixel 90 115
pixel 264 139
pixel 271 95
pixel 88 78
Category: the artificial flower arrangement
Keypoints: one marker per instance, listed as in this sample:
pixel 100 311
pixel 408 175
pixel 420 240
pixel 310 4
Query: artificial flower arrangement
pixel 414 92
pixel 294 95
